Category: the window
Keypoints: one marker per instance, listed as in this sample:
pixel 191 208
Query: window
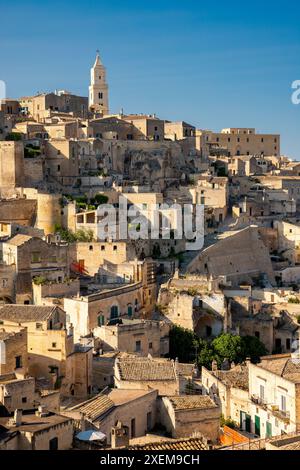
pixel 262 392
pixel 288 344
pixel 132 428
pixel 257 334
pixel 58 167
pixel 138 346
pixel 53 345
pixel 36 257
pixel 102 248
pixel 150 346
pixel 91 248
pixel 283 403
pixel 208 331
pixel 24 400
pixel 18 362
pixel 149 421
pixel 4 282
pixel 39 326
pixel 100 95
pixel 115 248
pixel 278 345
pixel 53 443
pixel 101 320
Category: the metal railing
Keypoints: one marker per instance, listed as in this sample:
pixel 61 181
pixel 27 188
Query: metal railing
pixel 258 444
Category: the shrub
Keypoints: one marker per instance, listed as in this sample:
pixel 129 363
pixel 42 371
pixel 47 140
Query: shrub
pixel 294 300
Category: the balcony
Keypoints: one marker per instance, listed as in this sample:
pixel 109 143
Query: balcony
pixel 284 416
pixel 259 401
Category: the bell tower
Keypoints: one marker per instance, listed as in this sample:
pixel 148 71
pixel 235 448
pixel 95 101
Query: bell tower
pixel 98 90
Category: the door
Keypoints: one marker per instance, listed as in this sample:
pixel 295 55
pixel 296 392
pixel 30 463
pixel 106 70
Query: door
pixel 248 423
pixel 53 444
pixel 243 420
pixel 132 428
pixel 257 425
pixel 149 421
pixel 114 312
pixel 269 430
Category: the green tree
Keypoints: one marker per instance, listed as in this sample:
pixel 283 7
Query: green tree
pixel 183 343
pixel 229 347
pixel 253 348
pixel 207 355
pixel 100 199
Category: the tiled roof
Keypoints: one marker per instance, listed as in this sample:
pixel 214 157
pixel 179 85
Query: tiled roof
pixel 284 366
pixel 19 240
pixel 95 407
pixel 32 423
pixel 146 369
pixel 237 377
pixel 180 444
pixel 192 402
pixel 286 443
pixel 185 369
pixel 26 313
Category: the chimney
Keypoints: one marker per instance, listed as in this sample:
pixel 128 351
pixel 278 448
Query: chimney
pixel 41 411
pixel 119 436
pixel 18 417
pixel 214 366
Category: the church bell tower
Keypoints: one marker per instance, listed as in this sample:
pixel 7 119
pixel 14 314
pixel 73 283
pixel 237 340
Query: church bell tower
pixel 98 90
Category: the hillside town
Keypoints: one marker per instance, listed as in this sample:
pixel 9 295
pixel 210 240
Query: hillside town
pixel 116 337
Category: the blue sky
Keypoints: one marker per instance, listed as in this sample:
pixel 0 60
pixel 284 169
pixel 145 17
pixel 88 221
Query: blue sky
pixel 215 64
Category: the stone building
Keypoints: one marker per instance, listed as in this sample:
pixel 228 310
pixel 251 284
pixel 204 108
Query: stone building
pixel 62 160
pixel 52 354
pixel 274 386
pixel 91 311
pixel 185 416
pixel 135 408
pixel 42 106
pixel 137 373
pixel 13 351
pixel 90 256
pixel 179 130
pixel 150 126
pixel 36 431
pixel 32 257
pixel 24 394
pixel 11 166
pixel 230 391
pixel 140 337
pixel 242 258
pixel 237 141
